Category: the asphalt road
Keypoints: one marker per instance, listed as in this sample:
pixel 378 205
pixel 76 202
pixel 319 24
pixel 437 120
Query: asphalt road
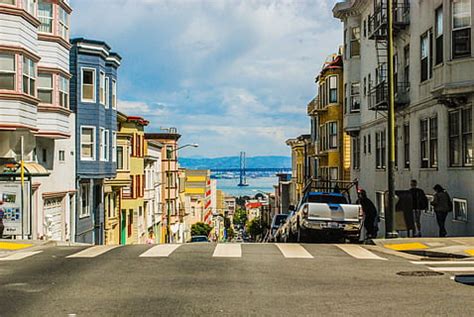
pixel 264 280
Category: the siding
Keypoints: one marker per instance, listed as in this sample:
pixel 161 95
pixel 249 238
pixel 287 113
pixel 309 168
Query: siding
pixel 17 112
pixel 53 55
pixel 15 31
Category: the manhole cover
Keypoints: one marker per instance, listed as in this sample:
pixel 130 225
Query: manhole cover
pixel 419 273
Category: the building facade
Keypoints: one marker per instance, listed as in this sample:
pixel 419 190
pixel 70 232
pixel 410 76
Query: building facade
pixel 94 102
pixel 153 183
pixel 34 108
pixel 300 166
pixel 434 86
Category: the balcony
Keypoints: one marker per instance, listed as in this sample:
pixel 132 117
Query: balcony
pixel 378 96
pixel 378 21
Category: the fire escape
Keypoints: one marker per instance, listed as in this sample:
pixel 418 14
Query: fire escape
pixel 378 31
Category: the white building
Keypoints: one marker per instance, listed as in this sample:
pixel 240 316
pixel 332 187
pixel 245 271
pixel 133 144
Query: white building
pixel 434 73
pixel 153 182
pixel 34 104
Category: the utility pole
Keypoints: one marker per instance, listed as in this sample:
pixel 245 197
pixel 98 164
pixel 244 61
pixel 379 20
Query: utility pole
pixel 390 215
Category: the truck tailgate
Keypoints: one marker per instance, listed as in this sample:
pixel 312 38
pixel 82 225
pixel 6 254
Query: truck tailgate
pixel 333 212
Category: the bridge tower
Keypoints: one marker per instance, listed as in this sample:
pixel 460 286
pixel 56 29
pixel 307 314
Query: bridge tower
pixel 243 178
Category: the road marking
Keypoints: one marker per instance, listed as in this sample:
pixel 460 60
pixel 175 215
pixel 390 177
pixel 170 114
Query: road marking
pixel 358 252
pixel 94 251
pixel 228 251
pixel 294 251
pixel 452 269
pixel 14 246
pixel 470 252
pixel 19 255
pixel 406 246
pixel 442 262
pixel 160 251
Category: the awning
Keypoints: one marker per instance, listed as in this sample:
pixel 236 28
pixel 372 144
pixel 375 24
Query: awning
pixel 11 168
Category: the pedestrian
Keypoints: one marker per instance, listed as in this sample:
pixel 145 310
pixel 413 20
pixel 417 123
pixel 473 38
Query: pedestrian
pixel 442 205
pixel 151 237
pixel 370 214
pixel 419 204
pixel 2 214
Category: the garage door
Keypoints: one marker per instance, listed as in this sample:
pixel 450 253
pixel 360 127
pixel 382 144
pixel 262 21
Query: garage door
pixel 53 210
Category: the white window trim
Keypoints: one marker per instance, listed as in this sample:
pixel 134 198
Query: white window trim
pixel 14 71
pixel 94 143
pixel 460 201
pixel 66 92
pixel 94 92
pixel 107 92
pixel 102 87
pixel 88 209
pixel 48 89
pixel 102 144
pixel 63 25
pixel 114 94
pixel 114 146
pixel 49 18
pixel 107 145
pixel 30 76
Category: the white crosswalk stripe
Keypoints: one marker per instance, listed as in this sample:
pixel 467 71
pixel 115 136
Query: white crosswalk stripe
pixel 19 256
pixel 94 251
pixel 453 269
pixel 294 251
pixel 160 251
pixel 228 251
pixel 359 252
pixel 442 262
pixel 461 266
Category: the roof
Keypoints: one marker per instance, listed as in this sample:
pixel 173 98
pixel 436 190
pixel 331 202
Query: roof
pixel 88 41
pixel 163 136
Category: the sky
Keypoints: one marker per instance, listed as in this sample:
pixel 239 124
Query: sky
pixel 229 75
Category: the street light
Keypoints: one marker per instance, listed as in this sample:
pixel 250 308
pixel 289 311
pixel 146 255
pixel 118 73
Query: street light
pixel 168 214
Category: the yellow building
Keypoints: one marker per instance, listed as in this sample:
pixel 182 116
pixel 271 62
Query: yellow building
pixel 299 165
pixel 330 145
pixel 131 149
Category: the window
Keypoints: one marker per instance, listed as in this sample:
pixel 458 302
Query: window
pixel 332 135
pixel 460 137
pixel 429 142
pixel 102 88
pixel 460 209
pixel 45 156
pixel 365 86
pixel 333 173
pixel 406 145
pixel 114 146
pixel 406 71
pixel 85 201
pixel 333 89
pixel 63 24
pixel 62 156
pixel 130 222
pixel 365 144
pixel 103 144
pixel 45 15
pixel 29 77
pixel 107 92
pixel 369 144
pixel 380 139
pixel 106 145
pixel 380 202
pixel 439 35
pixel 461 24
pixel 114 94
pixel 346 52
pixel 88 85
pixel 365 28
pixel 63 92
pixel 355 41
pixel 29 6
pixel 355 97
pixel 425 56
pixel 45 88
pixel 356 152
pixel 12 2
pixel 120 157
pixel 87 143
pixel 7 71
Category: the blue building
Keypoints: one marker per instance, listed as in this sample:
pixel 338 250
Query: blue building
pixel 93 92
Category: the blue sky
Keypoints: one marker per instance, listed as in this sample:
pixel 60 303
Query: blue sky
pixel 230 75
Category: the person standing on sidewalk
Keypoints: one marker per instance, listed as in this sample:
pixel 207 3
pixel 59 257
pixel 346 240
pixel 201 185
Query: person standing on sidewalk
pixel 2 214
pixel 419 203
pixel 442 205
pixel 370 214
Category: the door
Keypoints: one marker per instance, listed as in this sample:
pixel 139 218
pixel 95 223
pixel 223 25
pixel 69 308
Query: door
pixel 123 227
pixel 53 211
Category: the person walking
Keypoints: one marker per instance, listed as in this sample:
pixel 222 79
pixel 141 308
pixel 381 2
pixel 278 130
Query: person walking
pixel 2 214
pixel 419 203
pixel 370 214
pixel 442 205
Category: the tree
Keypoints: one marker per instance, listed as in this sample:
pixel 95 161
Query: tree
pixel 240 217
pixel 200 229
pixel 254 228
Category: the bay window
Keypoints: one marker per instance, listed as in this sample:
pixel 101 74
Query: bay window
pixel 7 71
pixel 29 76
pixel 355 41
pixel 63 24
pixel 63 92
pixel 461 28
pixel 45 88
pixel 45 15
pixel 29 6
pixel 332 89
pixel 88 143
pixel 106 145
pixel 88 85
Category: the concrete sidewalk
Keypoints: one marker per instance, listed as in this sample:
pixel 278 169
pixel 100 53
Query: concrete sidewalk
pixel 11 246
pixel 457 247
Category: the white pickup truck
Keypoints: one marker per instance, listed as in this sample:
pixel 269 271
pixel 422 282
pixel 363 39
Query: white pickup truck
pixel 325 214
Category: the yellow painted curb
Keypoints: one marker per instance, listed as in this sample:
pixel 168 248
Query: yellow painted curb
pixel 406 246
pixel 14 246
pixel 470 252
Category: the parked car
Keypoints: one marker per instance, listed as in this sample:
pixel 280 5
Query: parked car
pixel 199 239
pixel 277 221
pixel 283 232
pixel 325 214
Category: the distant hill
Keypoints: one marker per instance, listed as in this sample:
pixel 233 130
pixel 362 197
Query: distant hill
pixel 234 162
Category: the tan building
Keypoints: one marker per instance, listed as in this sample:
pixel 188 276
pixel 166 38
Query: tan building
pixel 300 166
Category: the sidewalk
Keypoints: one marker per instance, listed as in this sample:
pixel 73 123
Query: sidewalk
pixel 11 246
pixel 453 247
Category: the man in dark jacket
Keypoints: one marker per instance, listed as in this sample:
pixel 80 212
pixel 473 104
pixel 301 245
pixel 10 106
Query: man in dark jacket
pixel 370 214
pixel 442 205
pixel 419 203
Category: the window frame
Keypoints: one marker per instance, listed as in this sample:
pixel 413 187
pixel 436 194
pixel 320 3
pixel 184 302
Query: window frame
pixel 425 55
pixel 460 29
pixel 93 143
pixel 426 141
pixel 85 188
pixel 94 79
pixel 333 139
pixel 102 87
pixel 114 94
pixel 456 218
pixel 355 96
pixel 10 72
pixel 61 156
pixel 63 25
pixel 63 94
pixel 107 92
pixel 49 90
pixel 355 42
pixel 114 146
pixel 49 19
pixel 439 35
pixel 30 76
pixel 456 138
pixel 333 80
pixel 406 145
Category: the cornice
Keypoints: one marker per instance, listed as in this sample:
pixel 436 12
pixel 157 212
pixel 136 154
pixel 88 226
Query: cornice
pixel 54 70
pixel 21 50
pixel 21 13
pixel 19 97
pixel 54 39
pixel 54 109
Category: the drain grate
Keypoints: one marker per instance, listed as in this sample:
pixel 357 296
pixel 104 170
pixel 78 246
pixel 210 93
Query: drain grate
pixel 419 273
